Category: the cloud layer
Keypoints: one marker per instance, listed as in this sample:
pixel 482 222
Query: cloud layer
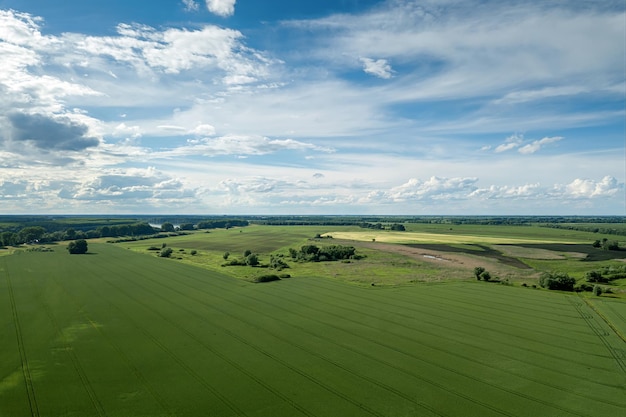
pixel 406 107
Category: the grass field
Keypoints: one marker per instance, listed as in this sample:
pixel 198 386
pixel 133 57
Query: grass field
pixel 440 252
pixel 117 333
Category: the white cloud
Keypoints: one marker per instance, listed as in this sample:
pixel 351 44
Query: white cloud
pixel 379 68
pixel 130 184
pixel 240 145
pixel 459 49
pixel 191 5
pixel 588 188
pixel 222 8
pixel 511 142
pixel 203 130
pixel 434 187
pixel 538 144
pixel 518 142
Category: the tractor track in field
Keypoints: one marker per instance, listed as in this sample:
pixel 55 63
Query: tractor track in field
pixel 28 379
pixel 433 347
pixel 343 302
pixel 69 350
pixel 391 347
pixel 388 346
pixel 617 354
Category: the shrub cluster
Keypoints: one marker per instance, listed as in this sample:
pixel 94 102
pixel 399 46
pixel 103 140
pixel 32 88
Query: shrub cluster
pixel 313 253
pixel 249 259
pixel 166 252
pixel 277 262
pixel 482 273
pixel 557 281
pixel 606 274
pixel 606 244
pixel 267 278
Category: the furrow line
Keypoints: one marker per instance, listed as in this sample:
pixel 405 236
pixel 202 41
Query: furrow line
pixel 28 380
pixel 602 335
pixel 414 357
pixel 432 347
pixel 252 346
pixel 458 318
pixel 471 324
pixel 391 347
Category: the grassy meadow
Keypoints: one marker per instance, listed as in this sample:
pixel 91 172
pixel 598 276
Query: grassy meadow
pixel 122 332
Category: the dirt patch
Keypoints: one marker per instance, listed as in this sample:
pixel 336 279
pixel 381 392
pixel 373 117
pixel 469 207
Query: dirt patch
pixel 480 250
pixel 444 255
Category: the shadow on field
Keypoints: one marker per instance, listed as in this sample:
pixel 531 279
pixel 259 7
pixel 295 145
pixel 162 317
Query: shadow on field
pixel 593 254
pixel 476 250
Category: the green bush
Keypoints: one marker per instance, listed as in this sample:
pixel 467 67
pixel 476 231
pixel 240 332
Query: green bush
pixel 267 278
pixel 478 272
pixel 77 247
pixel 597 290
pixel 166 252
pixel 557 281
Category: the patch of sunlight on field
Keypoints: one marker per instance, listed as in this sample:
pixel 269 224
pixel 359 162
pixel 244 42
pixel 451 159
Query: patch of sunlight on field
pixel 418 237
pixel 11 381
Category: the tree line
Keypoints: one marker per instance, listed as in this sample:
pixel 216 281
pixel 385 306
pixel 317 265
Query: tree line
pixel 38 234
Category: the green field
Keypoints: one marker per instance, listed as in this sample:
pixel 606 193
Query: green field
pixel 124 333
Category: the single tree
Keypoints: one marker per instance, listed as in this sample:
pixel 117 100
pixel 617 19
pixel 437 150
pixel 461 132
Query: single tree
pixel 597 290
pixel 77 247
pixel 252 260
pixel 167 227
pixel 478 271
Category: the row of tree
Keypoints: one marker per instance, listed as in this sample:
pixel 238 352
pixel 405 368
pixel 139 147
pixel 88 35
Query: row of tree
pixel 606 244
pixel 380 226
pixel 313 253
pixel 38 234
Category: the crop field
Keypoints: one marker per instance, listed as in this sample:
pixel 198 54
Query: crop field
pixel 120 333
pixel 424 253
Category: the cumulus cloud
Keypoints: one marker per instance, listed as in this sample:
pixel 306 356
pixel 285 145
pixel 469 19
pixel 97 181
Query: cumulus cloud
pixel 379 67
pixel 509 192
pixel 538 144
pixel 222 8
pixel 132 184
pixel 50 132
pixel 588 188
pixel 203 130
pixel 434 187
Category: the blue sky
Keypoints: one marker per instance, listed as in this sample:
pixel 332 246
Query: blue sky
pixel 326 107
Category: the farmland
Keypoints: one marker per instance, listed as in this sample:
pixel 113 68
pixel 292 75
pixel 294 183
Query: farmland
pixel 120 331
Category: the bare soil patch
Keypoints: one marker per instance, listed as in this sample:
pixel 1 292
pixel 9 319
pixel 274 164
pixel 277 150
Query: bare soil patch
pixel 446 256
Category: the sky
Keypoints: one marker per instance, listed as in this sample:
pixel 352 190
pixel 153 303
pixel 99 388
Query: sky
pixel 364 107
